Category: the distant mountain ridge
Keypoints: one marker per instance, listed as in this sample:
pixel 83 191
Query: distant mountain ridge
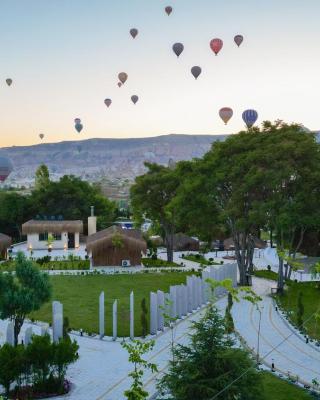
pixel 111 158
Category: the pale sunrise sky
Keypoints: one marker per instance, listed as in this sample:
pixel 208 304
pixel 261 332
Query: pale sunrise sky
pixel 64 57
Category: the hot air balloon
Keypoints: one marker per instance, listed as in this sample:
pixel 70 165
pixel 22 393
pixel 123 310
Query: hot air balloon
pixel 134 99
pixel 5 168
pixel 226 114
pixel 78 127
pixel 123 77
pixel 250 117
pixel 108 102
pixel 178 48
pixel 77 121
pixel 41 136
pixel 9 81
pixel 196 71
pixel 134 32
pixel 119 84
pixel 238 40
pixel 168 10
pixel 216 45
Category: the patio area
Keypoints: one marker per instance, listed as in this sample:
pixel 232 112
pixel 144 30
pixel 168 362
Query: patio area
pixel 56 254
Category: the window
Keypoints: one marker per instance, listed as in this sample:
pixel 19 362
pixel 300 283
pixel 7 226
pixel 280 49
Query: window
pixel 56 236
pixel 43 237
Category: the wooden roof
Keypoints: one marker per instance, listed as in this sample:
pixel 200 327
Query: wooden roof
pixel 5 242
pixel 38 226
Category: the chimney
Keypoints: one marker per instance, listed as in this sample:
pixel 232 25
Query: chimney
pixel 92 223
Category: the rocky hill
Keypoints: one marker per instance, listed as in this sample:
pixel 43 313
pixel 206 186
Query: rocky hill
pixel 95 159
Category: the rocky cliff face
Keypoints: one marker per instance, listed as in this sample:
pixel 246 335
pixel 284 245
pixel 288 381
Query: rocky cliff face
pixel 94 159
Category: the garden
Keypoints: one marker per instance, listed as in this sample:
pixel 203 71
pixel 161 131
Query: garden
pixel 79 295
pixel 198 258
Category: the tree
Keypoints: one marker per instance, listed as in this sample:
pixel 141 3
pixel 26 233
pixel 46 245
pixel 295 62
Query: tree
pixel 144 320
pixel 22 293
pixel 72 198
pixel 151 195
pixel 209 364
pixel 11 362
pixel 228 316
pixel 136 350
pixel 42 177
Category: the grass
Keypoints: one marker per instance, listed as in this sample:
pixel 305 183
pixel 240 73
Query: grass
pixel 79 296
pixel 198 258
pixel 311 302
pixel 10 266
pixel 158 263
pixel 278 389
pixel 264 273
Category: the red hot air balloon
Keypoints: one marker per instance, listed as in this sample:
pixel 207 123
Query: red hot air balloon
pixel 226 114
pixel 123 77
pixel 134 99
pixel 134 32
pixel 5 168
pixel 108 102
pixel 216 45
pixel 196 71
pixel 168 10
pixel 178 49
pixel 238 40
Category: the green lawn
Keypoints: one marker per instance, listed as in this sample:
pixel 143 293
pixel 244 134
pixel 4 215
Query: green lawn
pixel 278 389
pixel 198 258
pixel 158 263
pixel 79 296
pixel 264 273
pixel 310 300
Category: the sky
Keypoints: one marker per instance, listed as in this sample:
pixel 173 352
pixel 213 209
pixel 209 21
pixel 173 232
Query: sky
pixel 64 57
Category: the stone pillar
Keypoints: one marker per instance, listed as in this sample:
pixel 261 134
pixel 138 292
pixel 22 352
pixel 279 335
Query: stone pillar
pixel 167 306
pixel 178 292
pixel 184 299
pixel 28 336
pixel 131 316
pixel 173 298
pixel 153 313
pixel 160 309
pixel 57 320
pixel 206 291
pixel 115 320
pixel 101 315
pixel 10 334
pixel 92 223
pixel 189 294
pixel 194 293
pixel 44 329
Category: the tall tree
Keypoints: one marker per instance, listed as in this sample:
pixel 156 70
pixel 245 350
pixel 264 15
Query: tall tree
pixel 22 293
pixel 42 177
pixel 151 196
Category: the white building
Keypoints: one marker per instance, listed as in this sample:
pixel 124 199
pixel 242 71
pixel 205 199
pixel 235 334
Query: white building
pixel 52 234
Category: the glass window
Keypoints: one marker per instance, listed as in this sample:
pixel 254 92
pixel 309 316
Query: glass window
pixel 43 237
pixel 57 236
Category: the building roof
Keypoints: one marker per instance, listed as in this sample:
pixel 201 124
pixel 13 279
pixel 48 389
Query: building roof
pixel 258 243
pixel 38 226
pixel 104 239
pixel 5 242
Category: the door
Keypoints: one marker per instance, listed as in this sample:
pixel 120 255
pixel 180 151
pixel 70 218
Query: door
pixel 71 241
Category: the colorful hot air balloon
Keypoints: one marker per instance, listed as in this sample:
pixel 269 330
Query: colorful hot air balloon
pixel 134 32
pixel 250 117
pixel 9 81
pixel 216 45
pixel 168 10
pixel 226 114
pixel 5 168
pixel 238 40
pixel 119 84
pixel 77 121
pixel 196 71
pixel 123 77
pixel 178 48
pixel 108 102
pixel 78 127
pixel 134 99
pixel 41 136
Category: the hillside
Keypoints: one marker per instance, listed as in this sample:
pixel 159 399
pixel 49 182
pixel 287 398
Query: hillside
pixel 94 159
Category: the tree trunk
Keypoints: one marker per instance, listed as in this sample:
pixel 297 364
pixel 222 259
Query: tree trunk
pixel 280 276
pixel 18 322
pixel 271 238
pixel 169 246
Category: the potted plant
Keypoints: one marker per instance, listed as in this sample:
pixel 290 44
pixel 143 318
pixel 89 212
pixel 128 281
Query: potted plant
pixel 50 242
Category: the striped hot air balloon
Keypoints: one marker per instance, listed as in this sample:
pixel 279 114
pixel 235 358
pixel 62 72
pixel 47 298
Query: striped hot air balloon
pixel 226 114
pixel 250 117
pixel 6 168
